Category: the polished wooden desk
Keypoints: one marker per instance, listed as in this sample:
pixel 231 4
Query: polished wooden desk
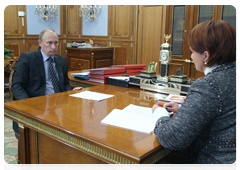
pixel 61 129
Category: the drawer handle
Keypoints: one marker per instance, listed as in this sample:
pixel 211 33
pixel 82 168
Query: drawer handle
pixel 80 64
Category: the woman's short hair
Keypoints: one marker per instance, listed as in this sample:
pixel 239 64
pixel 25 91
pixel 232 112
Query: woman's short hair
pixel 218 38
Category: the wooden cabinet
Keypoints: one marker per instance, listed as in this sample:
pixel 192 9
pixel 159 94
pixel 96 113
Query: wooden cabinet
pixel 181 20
pixel 229 14
pixel 87 58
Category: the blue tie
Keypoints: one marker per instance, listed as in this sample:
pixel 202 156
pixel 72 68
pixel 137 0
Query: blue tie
pixel 53 76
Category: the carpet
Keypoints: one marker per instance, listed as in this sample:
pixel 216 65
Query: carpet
pixel 10 141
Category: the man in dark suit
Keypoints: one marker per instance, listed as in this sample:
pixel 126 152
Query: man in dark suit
pixel 32 75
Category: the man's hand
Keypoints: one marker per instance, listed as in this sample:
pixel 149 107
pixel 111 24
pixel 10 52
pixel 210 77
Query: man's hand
pixel 77 88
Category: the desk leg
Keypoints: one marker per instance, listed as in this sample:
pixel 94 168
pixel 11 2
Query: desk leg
pixel 24 150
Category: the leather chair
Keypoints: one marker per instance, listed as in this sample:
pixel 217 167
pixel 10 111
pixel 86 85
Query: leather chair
pixel 11 99
pixel 10 84
pixel 7 71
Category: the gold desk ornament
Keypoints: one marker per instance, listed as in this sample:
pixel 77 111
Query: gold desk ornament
pixel 167 37
pixel 91 41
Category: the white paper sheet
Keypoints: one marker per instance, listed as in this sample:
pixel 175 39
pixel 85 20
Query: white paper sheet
pixel 81 74
pixel 120 78
pixel 133 117
pixel 92 95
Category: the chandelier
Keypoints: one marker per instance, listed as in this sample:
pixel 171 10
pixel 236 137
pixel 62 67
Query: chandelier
pixel 90 12
pixel 47 12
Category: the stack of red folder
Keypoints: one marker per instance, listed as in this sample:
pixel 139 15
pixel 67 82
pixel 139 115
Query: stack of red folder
pixel 132 69
pixel 101 75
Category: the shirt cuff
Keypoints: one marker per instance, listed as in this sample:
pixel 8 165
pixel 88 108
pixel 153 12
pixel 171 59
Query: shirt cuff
pixel 160 112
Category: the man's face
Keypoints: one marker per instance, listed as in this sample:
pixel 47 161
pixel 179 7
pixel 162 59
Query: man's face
pixel 49 43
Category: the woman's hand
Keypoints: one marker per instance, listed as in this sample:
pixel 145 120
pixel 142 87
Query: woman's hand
pixel 171 107
pixel 155 107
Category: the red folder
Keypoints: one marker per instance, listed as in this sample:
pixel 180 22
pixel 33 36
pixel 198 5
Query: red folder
pixel 134 70
pixel 103 76
pixel 107 71
pixel 98 76
pixel 98 80
pixel 113 75
pixel 130 66
pixel 133 74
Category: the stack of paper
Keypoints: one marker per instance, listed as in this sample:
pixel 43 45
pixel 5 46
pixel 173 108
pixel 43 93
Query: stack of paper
pixel 133 117
pixel 92 95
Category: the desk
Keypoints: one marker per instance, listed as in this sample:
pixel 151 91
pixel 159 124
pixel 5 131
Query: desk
pixel 60 129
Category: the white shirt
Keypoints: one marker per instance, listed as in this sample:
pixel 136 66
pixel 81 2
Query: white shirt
pixel 209 69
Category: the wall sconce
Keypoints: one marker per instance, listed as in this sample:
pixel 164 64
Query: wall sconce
pixel 47 12
pixel 90 12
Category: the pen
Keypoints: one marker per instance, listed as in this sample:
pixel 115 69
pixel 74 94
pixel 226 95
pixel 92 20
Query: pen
pixel 151 66
pixel 167 109
pixel 155 66
pixel 162 104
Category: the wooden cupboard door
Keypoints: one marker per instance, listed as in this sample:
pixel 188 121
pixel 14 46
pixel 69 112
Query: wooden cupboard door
pixel 101 59
pixel 103 63
pixel 151 29
pixel 122 21
pixel 123 53
pixel 79 64
pixel 12 22
pixel 72 21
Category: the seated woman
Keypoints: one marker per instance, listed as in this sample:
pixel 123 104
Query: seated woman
pixel 206 121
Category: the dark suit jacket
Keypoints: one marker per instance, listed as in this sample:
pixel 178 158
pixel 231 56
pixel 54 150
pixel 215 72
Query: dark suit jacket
pixel 29 75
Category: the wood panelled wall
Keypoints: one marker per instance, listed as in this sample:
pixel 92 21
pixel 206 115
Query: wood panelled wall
pixel 121 31
pixel 136 32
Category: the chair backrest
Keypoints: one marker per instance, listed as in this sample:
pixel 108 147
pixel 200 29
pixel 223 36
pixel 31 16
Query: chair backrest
pixel 10 84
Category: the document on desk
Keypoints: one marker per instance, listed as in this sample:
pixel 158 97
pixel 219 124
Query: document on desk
pixel 133 117
pixel 120 78
pixel 92 95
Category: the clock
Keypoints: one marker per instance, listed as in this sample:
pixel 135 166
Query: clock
pixel 165 57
